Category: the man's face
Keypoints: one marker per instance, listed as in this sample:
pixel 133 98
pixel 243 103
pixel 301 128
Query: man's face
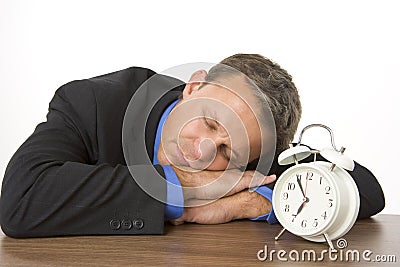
pixel 212 127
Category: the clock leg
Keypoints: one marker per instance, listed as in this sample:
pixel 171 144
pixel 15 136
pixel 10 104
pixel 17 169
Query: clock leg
pixel 328 240
pixel 280 233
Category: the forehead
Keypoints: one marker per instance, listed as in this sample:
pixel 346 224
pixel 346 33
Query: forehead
pixel 236 94
pixel 233 92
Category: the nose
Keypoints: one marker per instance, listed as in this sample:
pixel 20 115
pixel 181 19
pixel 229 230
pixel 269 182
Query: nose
pixel 206 148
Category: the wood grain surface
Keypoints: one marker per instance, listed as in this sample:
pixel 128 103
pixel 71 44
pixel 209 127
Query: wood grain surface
pixel 232 244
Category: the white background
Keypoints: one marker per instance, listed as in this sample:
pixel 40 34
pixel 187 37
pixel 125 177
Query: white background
pixel 344 57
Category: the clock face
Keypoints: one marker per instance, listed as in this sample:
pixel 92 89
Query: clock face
pixel 305 200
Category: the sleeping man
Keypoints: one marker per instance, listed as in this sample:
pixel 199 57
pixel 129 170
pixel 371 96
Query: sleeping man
pixel 124 152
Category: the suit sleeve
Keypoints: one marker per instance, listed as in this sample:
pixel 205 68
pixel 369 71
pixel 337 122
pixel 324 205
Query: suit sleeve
pixel 372 199
pixel 52 186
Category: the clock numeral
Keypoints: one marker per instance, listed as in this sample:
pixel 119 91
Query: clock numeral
pixel 304 223
pixel 320 180
pixel 327 189
pixel 294 217
pixel 330 204
pixel 298 176
pixel 324 215
pixel 310 175
pixel 285 195
pixel 315 223
pixel 286 208
pixel 291 186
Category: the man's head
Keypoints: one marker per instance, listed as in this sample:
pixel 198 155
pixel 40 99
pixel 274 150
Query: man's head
pixel 223 116
pixel 276 86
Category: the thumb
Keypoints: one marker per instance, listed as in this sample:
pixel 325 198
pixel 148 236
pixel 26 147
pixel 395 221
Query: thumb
pixel 176 222
pixel 180 220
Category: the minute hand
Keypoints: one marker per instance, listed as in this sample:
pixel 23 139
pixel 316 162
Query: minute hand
pixel 301 187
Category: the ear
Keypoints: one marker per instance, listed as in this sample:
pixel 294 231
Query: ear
pixel 194 83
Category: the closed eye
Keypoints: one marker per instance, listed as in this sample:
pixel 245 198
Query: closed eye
pixel 224 152
pixel 211 124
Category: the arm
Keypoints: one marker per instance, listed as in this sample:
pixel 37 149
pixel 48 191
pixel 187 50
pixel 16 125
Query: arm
pixel 56 183
pixel 372 199
pixel 53 186
pixel 226 200
pixel 258 206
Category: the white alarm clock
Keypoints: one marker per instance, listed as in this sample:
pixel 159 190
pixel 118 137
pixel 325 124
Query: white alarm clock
pixel 319 200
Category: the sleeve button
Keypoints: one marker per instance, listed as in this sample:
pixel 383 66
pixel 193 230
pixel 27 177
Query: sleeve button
pixel 138 224
pixel 126 224
pixel 115 224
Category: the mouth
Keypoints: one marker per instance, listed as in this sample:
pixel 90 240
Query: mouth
pixel 181 159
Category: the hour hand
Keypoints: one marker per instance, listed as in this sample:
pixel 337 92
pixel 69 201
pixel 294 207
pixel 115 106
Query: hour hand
pixel 305 200
pixel 300 208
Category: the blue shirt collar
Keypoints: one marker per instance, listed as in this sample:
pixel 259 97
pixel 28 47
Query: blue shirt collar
pixel 160 128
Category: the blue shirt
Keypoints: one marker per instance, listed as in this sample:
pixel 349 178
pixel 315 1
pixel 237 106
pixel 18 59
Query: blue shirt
pixel 175 203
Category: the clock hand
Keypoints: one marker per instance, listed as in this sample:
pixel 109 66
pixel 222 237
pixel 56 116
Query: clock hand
pixel 301 207
pixel 305 191
pixel 305 200
pixel 298 211
pixel 301 187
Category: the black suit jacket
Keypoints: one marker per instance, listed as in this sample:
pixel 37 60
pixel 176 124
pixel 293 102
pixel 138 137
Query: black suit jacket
pixel 70 176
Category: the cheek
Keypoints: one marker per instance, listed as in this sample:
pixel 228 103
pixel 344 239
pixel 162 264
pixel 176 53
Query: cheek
pixel 192 129
pixel 219 164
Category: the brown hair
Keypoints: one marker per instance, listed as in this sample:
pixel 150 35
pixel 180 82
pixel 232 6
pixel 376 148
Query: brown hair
pixel 276 87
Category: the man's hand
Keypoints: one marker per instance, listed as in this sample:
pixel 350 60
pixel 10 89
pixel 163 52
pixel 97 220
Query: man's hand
pixel 201 187
pixel 213 197
pixel 242 205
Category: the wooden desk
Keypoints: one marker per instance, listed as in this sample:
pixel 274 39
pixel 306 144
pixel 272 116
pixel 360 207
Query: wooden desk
pixel 232 244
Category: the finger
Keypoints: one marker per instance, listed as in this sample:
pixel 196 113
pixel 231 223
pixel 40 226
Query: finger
pixel 213 185
pixel 232 182
pixel 228 184
pixel 251 181
pixel 257 181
